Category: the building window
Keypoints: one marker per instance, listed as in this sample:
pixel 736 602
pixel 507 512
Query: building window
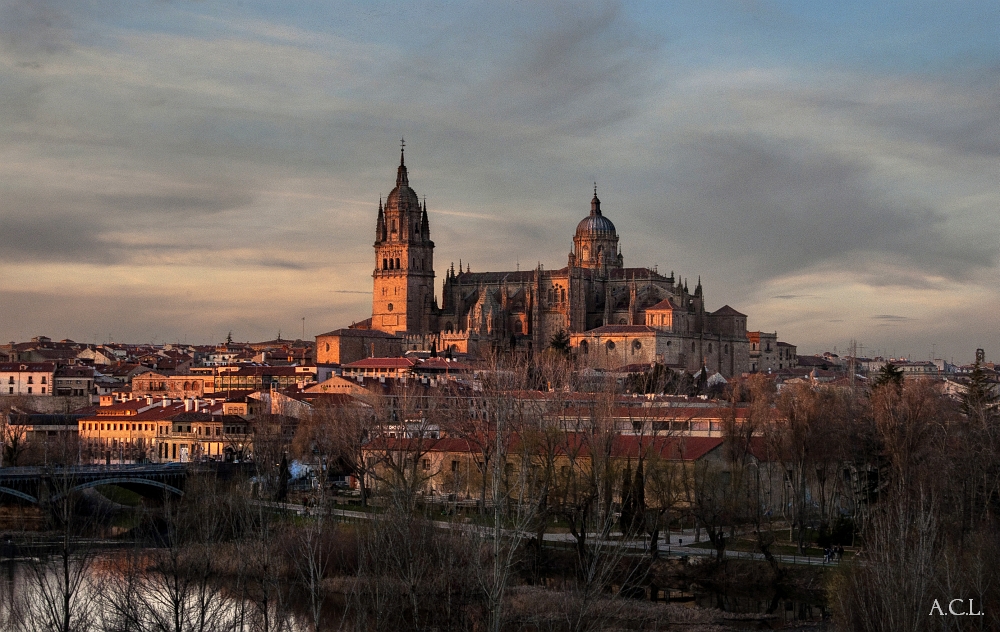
pixel 454 466
pixel 584 347
pixel 44 382
pixel 29 390
pixel 31 379
pixel 397 262
pixel 693 347
pixel 43 390
pixel 610 345
pixel 389 307
pixel 637 345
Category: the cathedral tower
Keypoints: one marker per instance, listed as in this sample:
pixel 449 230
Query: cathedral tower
pixel 403 291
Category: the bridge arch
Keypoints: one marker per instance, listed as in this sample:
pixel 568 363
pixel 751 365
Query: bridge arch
pixel 19 494
pixel 121 480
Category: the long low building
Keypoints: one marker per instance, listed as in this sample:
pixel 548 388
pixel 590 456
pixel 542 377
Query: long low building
pixel 163 430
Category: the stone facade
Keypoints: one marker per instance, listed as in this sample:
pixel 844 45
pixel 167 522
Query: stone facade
pixel 587 299
pixel 403 299
pixel 343 346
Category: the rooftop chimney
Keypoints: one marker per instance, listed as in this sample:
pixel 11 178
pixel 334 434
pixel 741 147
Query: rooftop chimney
pixel 187 405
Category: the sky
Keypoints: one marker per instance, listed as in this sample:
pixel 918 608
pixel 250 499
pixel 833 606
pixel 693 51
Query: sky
pixel 174 171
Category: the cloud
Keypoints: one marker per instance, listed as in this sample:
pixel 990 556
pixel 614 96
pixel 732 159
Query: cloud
pixel 891 318
pixel 34 27
pixel 783 207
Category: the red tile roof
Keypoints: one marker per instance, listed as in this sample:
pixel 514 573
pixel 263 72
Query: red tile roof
pixel 381 363
pixel 27 367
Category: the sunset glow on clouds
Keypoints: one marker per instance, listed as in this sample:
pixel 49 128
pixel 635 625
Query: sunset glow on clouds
pixel 177 170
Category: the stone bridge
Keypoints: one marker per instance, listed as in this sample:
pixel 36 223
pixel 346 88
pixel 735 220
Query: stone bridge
pixel 41 485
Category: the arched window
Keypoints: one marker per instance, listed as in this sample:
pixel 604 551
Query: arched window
pixel 518 326
pixel 725 349
pixel 448 327
pixel 584 347
pixel 563 290
pixel 710 347
pixel 397 262
pixel 693 347
pixel 621 321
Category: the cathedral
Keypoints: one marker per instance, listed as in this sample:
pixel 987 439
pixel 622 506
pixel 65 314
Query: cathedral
pixel 612 315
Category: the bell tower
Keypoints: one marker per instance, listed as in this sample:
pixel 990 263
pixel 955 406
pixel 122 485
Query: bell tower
pixel 403 289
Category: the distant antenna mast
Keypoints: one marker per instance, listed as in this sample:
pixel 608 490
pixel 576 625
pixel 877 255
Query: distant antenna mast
pixel 852 363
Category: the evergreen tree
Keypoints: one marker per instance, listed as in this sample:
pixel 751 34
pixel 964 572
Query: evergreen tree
pixel 980 401
pixel 560 342
pixel 888 374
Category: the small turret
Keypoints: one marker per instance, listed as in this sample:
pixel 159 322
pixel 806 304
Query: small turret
pixel 380 223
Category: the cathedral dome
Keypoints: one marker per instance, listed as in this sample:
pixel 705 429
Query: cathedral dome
pixel 402 198
pixel 595 224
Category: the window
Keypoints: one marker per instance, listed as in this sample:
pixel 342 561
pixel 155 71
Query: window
pixel 427 464
pixel 610 345
pixel 44 382
pixel 389 307
pixel 31 379
pixel 397 262
pixel 29 390
pixel 43 390
pixel 454 466
pixel 693 347
pixel 637 345
pixel 584 347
